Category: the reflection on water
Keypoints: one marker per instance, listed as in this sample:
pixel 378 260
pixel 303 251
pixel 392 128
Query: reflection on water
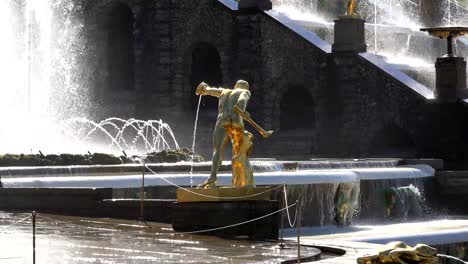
pixel 61 239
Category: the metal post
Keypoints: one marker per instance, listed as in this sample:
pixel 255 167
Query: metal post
pixel 298 231
pixel 34 236
pixel 142 193
pixel 283 205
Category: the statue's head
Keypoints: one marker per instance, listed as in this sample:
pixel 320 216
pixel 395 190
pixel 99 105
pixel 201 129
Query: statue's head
pixel 241 84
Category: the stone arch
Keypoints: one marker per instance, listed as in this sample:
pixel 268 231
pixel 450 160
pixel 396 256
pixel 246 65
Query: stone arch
pixel 203 63
pixel 293 120
pixel 118 26
pixel 392 141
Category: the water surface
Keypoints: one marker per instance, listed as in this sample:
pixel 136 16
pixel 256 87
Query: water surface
pixel 63 239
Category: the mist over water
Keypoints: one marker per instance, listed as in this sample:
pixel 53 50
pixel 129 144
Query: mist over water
pixel 45 101
pixel 39 69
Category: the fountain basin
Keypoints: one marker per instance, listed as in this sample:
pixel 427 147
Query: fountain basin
pixel 330 192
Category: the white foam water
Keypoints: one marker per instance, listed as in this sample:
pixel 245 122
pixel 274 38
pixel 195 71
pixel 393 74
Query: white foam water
pixel 194 138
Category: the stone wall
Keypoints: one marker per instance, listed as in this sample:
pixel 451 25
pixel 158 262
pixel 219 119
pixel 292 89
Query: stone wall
pixel 381 111
pixel 353 107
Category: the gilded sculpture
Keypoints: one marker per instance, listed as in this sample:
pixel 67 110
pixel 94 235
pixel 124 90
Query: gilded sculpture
pixel 230 126
pixel 350 8
pixel 400 253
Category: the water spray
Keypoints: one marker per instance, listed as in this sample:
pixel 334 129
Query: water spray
pixel 142 192
pixel 194 139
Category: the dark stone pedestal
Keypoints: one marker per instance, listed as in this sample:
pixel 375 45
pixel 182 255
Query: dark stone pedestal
pixel 155 210
pixel 450 79
pixel 188 217
pixel 255 4
pixel 349 35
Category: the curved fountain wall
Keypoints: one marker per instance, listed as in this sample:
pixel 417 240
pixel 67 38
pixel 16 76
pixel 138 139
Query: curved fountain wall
pixel 331 192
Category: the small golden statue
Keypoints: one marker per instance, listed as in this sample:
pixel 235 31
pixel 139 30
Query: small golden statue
pixel 350 9
pixel 230 125
pixel 400 253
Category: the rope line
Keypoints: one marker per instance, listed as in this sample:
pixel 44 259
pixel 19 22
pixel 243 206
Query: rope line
pixel 451 258
pixel 187 233
pixel 14 223
pixel 238 224
pixel 209 196
pixel 287 208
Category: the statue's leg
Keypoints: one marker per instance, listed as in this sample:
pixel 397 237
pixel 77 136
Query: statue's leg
pixel 238 179
pixel 247 145
pixel 219 141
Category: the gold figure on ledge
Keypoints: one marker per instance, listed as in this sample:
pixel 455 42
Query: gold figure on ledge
pixel 400 253
pixel 350 9
pixel 230 125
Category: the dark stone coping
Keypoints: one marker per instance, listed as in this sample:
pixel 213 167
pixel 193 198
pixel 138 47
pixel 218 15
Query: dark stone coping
pixel 308 35
pixel 71 201
pixel 397 75
pixel 348 250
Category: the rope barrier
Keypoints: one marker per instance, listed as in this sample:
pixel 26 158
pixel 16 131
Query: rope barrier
pixel 238 224
pixel 287 208
pixel 451 258
pixel 192 232
pixel 209 196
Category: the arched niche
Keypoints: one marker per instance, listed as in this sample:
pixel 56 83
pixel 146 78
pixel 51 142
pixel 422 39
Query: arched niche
pixel 204 66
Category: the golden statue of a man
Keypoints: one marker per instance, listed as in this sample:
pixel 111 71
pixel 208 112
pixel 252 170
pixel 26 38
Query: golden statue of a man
pixel 230 125
pixel 350 8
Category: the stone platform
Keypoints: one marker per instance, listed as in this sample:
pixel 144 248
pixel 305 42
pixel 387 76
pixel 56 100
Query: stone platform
pixel 220 212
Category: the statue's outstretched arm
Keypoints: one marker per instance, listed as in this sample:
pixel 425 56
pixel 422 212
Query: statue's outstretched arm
pixel 204 89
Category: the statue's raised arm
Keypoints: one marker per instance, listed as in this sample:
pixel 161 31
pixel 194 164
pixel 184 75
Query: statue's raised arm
pixel 204 89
